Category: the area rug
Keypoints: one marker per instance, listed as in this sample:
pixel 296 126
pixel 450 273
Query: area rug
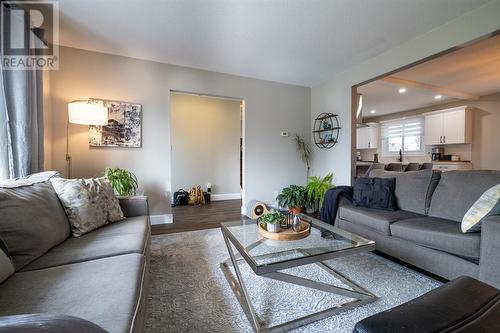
pixel 189 293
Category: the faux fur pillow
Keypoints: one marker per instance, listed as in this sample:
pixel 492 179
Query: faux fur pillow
pixel 88 203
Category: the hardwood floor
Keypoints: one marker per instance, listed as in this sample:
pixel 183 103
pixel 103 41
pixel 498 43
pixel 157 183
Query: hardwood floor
pixel 188 218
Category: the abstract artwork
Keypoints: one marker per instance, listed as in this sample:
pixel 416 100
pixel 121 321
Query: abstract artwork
pixel 124 127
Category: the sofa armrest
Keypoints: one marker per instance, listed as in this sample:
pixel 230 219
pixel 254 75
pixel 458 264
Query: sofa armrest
pixel 134 206
pixel 489 262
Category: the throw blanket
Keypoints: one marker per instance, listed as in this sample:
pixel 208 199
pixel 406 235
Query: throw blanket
pixel 29 180
pixel 331 202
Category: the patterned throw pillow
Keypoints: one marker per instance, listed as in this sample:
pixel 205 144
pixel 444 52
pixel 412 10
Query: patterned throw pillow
pixel 487 204
pixel 88 203
pixel 114 211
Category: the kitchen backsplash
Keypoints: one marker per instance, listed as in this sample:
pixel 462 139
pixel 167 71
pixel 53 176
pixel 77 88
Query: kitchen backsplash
pixel 464 151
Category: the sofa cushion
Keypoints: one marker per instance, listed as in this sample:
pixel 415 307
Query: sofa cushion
pixel 413 189
pixel 6 266
pixel 374 219
pixel 48 323
pixel 128 236
pixel 104 291
pixel 32 221
pixel 465 187
pixel 438 234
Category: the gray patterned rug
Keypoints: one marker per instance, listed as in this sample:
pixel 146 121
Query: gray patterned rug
pixel 189 292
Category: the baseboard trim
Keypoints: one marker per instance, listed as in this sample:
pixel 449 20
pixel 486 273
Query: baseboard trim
pixel 161 219
pixel 225 196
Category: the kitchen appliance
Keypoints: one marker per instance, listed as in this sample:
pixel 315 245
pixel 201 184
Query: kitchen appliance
pixel 437 153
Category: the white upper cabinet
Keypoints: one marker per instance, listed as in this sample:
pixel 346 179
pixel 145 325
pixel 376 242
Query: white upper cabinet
pixel 433 132
pixel 450 126
pixel 367 137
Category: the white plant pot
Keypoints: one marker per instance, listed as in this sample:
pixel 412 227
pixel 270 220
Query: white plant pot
pixel 273 227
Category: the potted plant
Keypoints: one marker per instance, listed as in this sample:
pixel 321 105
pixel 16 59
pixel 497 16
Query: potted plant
pixel 272 221
pixel 294 197
pixel 304 149
pixel 316 188
pixel 124 182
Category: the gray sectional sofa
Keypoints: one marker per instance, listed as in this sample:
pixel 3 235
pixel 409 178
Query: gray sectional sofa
pixel 101 276
pixel 425 231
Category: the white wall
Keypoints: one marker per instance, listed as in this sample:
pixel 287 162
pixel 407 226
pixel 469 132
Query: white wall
pixel 205 134
pixel 271 161
pixel 335 95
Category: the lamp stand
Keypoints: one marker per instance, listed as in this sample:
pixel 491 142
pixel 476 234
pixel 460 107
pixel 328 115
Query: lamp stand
pixel 68 156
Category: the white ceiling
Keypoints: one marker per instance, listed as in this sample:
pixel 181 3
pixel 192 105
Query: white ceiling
pixel 473 70
pixel 302 42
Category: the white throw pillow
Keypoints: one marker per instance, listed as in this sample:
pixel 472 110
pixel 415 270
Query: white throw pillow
pixel 487 204
pixel 88 203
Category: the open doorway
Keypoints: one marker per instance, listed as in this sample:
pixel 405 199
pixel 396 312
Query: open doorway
pixel 206 152
pixel 442 113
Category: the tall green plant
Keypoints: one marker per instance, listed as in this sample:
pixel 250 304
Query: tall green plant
pixel 304 149
pixel 316 188
pixel 124 182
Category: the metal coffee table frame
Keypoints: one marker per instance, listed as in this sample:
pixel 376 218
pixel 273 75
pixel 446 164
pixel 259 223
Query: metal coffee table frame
pixel 359 294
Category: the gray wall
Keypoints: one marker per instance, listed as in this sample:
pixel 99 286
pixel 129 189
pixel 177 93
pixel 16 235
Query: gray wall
pixel 271 162
pixel 335 95
pixel 205 134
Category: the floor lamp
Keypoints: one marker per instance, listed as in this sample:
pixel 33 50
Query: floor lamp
pixel 83 113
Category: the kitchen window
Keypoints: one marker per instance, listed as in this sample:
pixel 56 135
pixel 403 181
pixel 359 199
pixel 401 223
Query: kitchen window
pixel 406 135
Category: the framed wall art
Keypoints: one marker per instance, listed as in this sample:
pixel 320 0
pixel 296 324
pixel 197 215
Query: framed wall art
pixel 124 127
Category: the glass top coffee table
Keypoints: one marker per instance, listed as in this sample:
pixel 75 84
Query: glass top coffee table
pixel 268 258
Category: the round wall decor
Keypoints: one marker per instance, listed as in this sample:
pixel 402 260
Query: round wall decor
pixel 326 130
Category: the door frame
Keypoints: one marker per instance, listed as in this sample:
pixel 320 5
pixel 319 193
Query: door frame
pixel 242 133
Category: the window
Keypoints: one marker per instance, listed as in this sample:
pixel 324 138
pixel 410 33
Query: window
pixel 406 135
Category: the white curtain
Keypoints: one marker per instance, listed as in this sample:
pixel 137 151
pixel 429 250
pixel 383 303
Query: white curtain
pixel 21 120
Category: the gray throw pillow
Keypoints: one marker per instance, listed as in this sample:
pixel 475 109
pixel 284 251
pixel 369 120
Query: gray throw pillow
pixel 47 323
pixel 89 203
pixel 6 267
pixel 32 221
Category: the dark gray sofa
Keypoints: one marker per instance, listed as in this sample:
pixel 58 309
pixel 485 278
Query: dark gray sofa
pixel 101 276
pixel 425 231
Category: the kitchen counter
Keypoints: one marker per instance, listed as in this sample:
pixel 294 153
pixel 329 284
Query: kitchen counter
pixel 451 162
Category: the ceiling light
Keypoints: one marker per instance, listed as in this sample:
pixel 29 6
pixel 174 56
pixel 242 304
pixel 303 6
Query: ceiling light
pixel 372 111
pixel 402 90
pixel 438 96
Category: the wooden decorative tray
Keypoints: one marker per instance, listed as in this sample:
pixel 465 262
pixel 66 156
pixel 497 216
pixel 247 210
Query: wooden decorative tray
pixel 287 234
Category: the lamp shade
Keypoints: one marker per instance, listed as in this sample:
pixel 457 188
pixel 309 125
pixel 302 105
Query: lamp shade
pixel 85 113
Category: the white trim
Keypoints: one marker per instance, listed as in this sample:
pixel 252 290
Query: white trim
pixel 244 211
pixel 161 219
pixel 225 196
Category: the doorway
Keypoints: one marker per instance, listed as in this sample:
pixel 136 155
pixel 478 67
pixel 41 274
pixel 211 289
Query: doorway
pixel 440 113
pixel 206 151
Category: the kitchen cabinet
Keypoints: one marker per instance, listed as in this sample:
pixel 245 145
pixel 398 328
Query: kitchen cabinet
pixel 450 126
pixel 367 137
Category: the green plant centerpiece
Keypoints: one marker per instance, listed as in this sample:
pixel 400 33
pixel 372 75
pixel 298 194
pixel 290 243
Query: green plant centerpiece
pixel 124 182
pixel 316 188
pixel 272 221
pixel 294 197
